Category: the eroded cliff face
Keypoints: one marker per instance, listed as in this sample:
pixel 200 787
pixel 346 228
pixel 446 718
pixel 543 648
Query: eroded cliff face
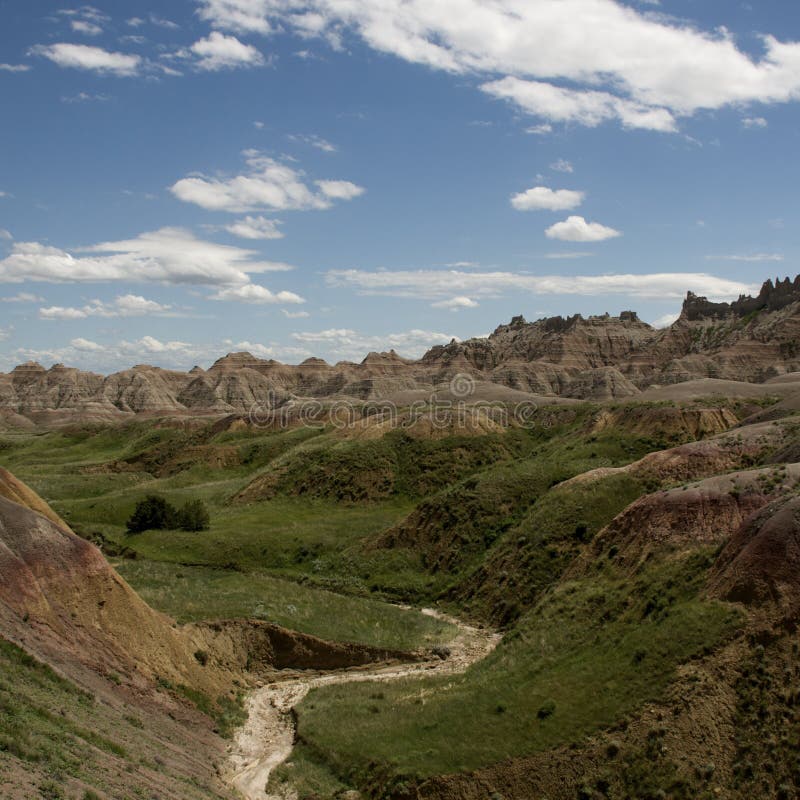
pixel 753 339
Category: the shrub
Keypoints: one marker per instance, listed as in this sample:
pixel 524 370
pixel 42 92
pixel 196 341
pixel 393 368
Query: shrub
pixel 547 710
pixel 152 513
pixel 194 516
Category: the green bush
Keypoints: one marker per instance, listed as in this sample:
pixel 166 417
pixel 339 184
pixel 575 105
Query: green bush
pixel 154 513
pixel 194 516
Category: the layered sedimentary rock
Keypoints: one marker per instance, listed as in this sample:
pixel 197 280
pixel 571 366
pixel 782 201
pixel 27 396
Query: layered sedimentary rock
pixel 753 339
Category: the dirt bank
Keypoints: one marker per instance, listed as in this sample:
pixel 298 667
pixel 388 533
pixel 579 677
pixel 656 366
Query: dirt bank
pixel 267 738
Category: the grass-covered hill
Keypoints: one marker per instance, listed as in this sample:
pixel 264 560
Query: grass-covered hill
pixel 637 558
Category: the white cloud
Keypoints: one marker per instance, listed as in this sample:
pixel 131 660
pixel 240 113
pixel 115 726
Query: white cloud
pixel 754 122
pixel 128 305
pixel 85 57
pixel 269 184
pixel 340 190
pixel 295 314
pixel 313 140
pixel 164 23
pixel 89 354
pixel 540 130
pixel 577 229
pixel 60 313
pixel 135 22
pixel 22 297
pixel 217 52
pixel 562 165
pixel 585 107
pixel 654 66
pixel 14 68
pixel 256 295
pixel 169 255
pixel 5 235
pixel 245 16
pixel 85 27
pixel 347 343
pixel 85 97
pixel 85 12
pixel 258 125
pixel 565 256
pixel 752 257
pixel 5 333
pixel 665 321
pixel 455 303
pixel 541 198
pixel 86 345
pixel 255 228
pixel 438 284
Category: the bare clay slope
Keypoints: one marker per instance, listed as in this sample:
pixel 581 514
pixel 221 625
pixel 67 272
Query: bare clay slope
pixel 60 599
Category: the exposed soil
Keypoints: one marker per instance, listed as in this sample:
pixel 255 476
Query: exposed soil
pixel 267 738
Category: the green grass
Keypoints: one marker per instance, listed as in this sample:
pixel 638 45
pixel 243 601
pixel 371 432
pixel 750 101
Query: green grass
pixel 587 655
pixel 533 555
pixel 66 740
pixel 306 776
pixel 201 593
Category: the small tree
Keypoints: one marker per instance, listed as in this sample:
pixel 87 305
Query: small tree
pixel 194 516
pixel 152 513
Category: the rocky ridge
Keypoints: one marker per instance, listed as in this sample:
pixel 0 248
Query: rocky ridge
pixel 753 339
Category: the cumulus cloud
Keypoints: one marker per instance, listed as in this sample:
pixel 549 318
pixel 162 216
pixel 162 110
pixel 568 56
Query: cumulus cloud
pixel 85 27
pixel 93 59
pixel 455 303
pixel 217 52
pixel 244 16
pixel 295 314
pixel 128 305
pixel 14 68
pixel 541 198
pixel 256 295
pixel 169 255
pixel 5 235
pixel 255 228
pixel 348 343
pixel 268 184
pixel 754 122
pixel 586 107
pixel 577 229
pixel 438 284
pixel 655 68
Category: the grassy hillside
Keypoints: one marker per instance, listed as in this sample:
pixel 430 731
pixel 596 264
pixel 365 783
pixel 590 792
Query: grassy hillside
pixel 316 529
pixel 591 652
pixel 59 741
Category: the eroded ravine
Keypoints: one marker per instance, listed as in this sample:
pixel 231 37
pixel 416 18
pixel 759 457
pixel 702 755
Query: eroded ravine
pixel 267 738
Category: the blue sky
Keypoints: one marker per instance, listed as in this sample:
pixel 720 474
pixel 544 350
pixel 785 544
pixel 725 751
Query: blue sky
pixel 330 177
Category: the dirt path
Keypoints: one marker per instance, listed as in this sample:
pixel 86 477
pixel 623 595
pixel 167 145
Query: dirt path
pixel 267 738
